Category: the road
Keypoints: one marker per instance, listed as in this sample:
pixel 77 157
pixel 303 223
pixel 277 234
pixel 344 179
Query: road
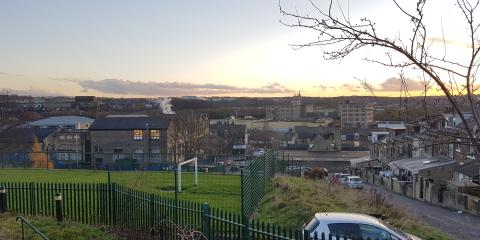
pixel 458 225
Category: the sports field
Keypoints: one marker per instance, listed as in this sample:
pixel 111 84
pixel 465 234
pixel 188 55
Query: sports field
pixel 220 191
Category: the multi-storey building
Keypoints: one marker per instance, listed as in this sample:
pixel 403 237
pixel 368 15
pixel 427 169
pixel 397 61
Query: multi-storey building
pixel 136 141
pixel 291 111
pixel 355 114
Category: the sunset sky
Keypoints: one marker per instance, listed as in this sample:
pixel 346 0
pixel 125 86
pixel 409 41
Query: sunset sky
pixel 181 47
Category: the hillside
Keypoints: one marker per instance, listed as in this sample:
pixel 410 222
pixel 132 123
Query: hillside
pixel 292 201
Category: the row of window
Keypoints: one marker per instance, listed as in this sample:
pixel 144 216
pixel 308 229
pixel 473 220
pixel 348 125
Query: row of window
pixel 69 137
pixel 138 134
pixel 99 149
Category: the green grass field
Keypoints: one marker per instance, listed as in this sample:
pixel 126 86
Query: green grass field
pixel 220 191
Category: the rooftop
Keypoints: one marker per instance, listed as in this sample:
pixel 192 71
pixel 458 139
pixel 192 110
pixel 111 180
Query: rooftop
pixel 62 120
pixel 130 123
pixel 417 164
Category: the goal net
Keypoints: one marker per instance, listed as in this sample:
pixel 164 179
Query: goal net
pixel 179 173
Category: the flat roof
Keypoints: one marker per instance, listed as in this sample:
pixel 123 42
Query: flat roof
pixel 62 120
pixel 304 155
pixel 417 164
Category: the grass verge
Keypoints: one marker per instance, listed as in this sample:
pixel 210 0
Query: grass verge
pixel 10 229
pixel 292 201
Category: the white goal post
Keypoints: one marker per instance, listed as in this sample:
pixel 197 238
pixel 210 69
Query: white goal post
pixel 179 173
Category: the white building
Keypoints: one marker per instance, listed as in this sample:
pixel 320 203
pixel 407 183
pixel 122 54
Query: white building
pixel 63 122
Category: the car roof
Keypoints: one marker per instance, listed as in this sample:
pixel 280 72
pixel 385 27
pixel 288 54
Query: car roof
pixel 347 218
pixel 353 176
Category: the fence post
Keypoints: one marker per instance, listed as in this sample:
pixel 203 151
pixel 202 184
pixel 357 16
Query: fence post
pixel 58 207
pixel 32 198
pixel 113 204
pixel 152 214
pixel 3 199
pixel 246 228
pixel 206 220
pixel 242 204
pixel 177 182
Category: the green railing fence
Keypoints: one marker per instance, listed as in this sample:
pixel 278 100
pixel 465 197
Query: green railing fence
pixel 116 205
pixel 122 207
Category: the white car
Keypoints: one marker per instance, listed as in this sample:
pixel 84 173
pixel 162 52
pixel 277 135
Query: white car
pixel 353 226
pixel 354 182
pixel 343 177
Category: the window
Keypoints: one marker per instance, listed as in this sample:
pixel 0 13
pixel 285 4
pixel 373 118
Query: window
pixel 154 134
pixel 137 135
pixel 457 146
pixel 357 136
pixel 471 151
pixel 156 155
pixel 138 154
pixel 98 149
pixel 372 232
pixel 312 225
pixel 351 230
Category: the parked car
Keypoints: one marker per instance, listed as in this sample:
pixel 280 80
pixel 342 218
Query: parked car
pixel 354 182
pixel 337 177
pixel 353 226
pixel 341 177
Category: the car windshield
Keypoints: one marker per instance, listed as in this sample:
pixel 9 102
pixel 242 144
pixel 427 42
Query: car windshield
pixel 398 232
pixel 355 179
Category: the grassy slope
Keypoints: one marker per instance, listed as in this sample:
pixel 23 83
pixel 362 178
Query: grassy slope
pixel 10 229
pixel 221 191
pixel 292 201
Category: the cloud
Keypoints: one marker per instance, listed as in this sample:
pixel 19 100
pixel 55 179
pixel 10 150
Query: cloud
pixel 390 85
pixel 36 92
pixel 127 87
pixel 322 87
pixel 394 84
pixel 442 41
pixel 10 74
pixel 351 87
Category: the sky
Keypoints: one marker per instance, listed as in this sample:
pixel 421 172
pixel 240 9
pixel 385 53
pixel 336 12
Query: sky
pixel 157 48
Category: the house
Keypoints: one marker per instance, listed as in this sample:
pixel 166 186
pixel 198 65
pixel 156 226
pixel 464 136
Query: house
pixel 355 139
pixel 129 142
pixel 85 102
pixel 26 147
pixel 268 139
pixel 316 138
pixel 228 138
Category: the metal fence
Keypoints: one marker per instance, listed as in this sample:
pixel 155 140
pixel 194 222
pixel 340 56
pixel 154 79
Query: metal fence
pixel 257 176
pixel 125 161
pixel 118 206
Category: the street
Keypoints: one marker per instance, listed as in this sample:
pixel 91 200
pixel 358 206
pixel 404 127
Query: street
pixel 458 225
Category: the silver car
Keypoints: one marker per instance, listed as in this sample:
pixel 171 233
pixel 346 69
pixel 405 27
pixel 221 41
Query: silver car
pixel 354 182
pixel 353 226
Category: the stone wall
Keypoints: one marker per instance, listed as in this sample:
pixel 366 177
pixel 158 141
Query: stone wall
pixel 427 190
